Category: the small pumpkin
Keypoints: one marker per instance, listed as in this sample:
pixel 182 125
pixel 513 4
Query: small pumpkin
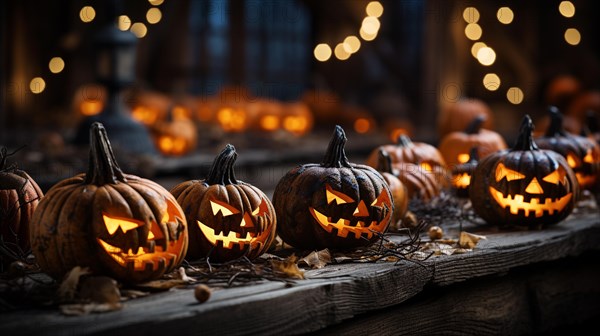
pixel 335 204
pixel 524 185
pixel 406 151
pixel 228 218
pixel 176 134
pixel 397 188
pixel 582 153
pixel 455 146
pixel 297 118
pixel 117 224
pixel 456 116
pixel 19 197
pixel 419 182
pixel 461 174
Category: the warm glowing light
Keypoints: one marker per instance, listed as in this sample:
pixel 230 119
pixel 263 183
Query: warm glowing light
pixel 518 204
pixel 463 158
pixel 231 119
pixel 269 122
pixel 173 145
pixel 366 36
pixel 556 177
pixel 295 124
pixel 589 157
pixel 336 196
pixel 225 209
pixel 139 29
pixel 362 125
pixel 475 48
pixel 153 15
pixel 462 181
pixel 144 114
pixel 87 14
pixel 491 81
pixel 156 2
pixel 322 52
pixel 473 31
pixel 341 53
pixel 123 22
pixel 370 25
pixel 572 36
pixel 571 161
pixel 125 224
pixel 566 9
pixel 427 166
pixel 502 171
pixel 395 133
pixel 56 65
pixel 374 8
pixel 37 85
pixel 505 15
pixel 471 15
pixel 90 107
pixel 486 56
pixel 351 44
pixel 181 113
pixel 515 95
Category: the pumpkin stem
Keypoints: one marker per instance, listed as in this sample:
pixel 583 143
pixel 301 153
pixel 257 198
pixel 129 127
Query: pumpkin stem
pixel 103 167
pixel 335 156
pixel 475 125
pixel 221 171
pixel 384 162
pixel 525 139
pixel 5 155
pixel 592 121
pixel 556 123
pixel 473 155
pixel 403 141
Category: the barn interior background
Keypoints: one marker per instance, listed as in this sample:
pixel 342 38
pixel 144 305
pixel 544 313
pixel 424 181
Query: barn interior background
pixel 273 77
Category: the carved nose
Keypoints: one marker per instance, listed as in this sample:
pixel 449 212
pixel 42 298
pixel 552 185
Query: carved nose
pixel 534 187
pixel 361 210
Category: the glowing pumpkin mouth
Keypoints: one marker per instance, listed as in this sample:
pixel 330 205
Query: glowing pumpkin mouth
pixel 535 206
pixel 462 180
pixel 343 226
pixel 145 258
pixel 585 180
pixel 232 238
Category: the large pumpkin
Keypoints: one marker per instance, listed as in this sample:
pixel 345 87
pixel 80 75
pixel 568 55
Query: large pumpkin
pixel 456 116
pixel 228 218
pixel 117 224
pixel 582 153
pixel 524 186
pixel 335 204
pixel 19 197
pixel 397 188
pixel 455 146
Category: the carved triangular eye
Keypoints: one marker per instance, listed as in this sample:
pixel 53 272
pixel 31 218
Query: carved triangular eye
pixel 573 161
pixel 382 200
pixel 556 177
pixel 114 223
pixel 262 209
pixel 502 171
pixel 588 158
pixel 224 208
pixel 336 196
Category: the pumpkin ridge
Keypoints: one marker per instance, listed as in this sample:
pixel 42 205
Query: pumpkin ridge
pixel 64 229
pixel 221 172
pixel 140 210
pixel 335 155
pixel 103 167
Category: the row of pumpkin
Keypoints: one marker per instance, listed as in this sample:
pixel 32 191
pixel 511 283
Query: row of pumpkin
pixel 135 230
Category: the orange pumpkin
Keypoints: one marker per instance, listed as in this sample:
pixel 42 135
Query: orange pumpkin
pixel 457 116
pixel 297 118
pixel 176 134
pixel 399 191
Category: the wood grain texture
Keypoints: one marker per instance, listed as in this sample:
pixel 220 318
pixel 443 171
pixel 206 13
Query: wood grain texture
pixel 337 294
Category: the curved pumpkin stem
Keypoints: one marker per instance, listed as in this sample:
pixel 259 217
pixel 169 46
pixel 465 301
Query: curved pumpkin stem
pixel 384 162
pixel 103 167
pixel 556 123
pixel 525 139
pixel 221 171
pixel 473 155
pixel 403 141
pixel 335 157
pixel 475 125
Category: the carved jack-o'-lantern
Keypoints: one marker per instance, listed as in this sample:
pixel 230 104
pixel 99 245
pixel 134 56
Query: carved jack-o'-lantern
pixel 524 185
pixel 121 225
pixel 461 174
pixel 176 134
pixel 228 218
pixel 335 204
pixel 582 153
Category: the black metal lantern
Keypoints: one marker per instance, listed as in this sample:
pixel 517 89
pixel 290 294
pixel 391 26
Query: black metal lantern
pixel 115 69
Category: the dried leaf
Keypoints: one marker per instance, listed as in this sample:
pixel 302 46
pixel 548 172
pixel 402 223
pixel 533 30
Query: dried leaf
pixel 87 308
pixel 133 294
pixel 446 249
pixel 100 289
pixel 182 276
pixel 161 285
pixel 68 287
pixel 342 259
pixel 469 240
pixel 317 259
pixel 288 268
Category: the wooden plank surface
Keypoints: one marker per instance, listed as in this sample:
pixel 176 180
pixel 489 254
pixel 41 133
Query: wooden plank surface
pixel 328 296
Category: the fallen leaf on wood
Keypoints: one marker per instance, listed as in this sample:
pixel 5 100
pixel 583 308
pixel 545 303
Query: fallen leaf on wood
pixel 68 287
pixel 342 259
pixel 79 309
pixel 469 240
pixel 99 289
pixel 288 268
pixel 317 259
pixel 181 275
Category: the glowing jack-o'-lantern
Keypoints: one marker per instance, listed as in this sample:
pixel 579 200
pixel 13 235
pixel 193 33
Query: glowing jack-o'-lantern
pixel 525 185
pixel 582 153
pixel 335 204
pixel 297 118
pixel 229 218
pixel 461 173
pixel 176 134
pixel 117 224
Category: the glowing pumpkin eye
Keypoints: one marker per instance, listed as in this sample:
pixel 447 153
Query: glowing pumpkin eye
pixel 588 158
pixel 114 223
pixel 572 161
pixel 382 200
pixel 335 196
pixel 427 166
pixel 556 177
pixel 502 172
pixel 225 209
pixel 262 209
pixel 463 158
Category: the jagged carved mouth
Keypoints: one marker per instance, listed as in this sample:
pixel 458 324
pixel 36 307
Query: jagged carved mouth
pixel 343 226
pixel 232 238
pixel 536 206
pixel 462 180
pixel 152 257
